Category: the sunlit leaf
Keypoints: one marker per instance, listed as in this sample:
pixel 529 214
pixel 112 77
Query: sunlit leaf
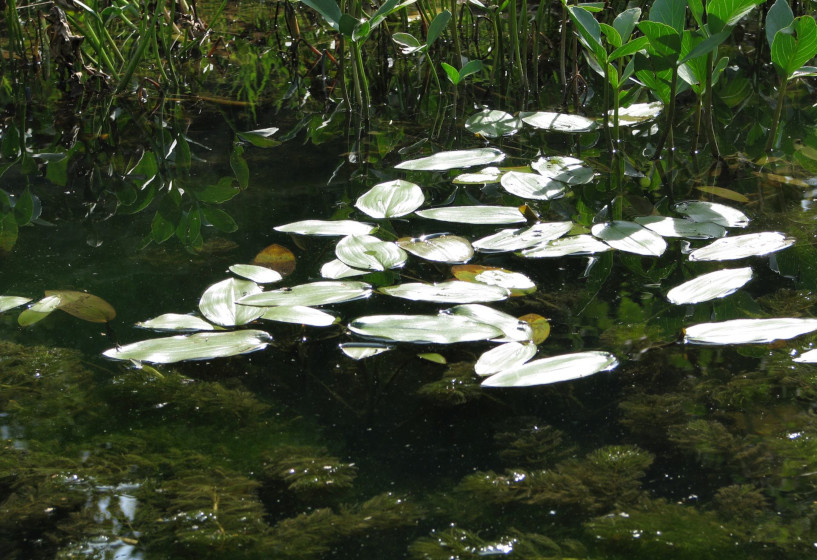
pixel 316 293
pixel 361 350
pixel 299 315
pixel 513 328
pixel 327 227
pixel 38 311
pixel 391 199
pixel 258 274
pixel 369 253
pixel 438 329
pixel 573 245
pixel 532 185
pixel 677 227
pixel 554 369
pixel 454 159
pixel 505 356
pixel 540 326
pixel 518 283
pixel 260 137
pixel 493 123
pixel 631 238
pixel 484 177
pixel 809 357
pixel 337 269
pixel 199 346
pixel 638 113
pixel 749 331
pixel 742 246
pixel 474 214
pixel 509 240
pixel 82 305
pixel 276 257
pixel 176 322
pixel 447 292
pixel 10 302
pixel 560 122
pixel 218 303
pixel 567 170
pixel 439 248
pixel 728 194
pixel 720 214
pixel 714 285
pixel 433 357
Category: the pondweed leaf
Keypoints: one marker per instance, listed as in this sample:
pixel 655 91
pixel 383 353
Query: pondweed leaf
pixel 749 331
pixel 631 238
pixel 327 228
pixel 509 240
pixel 720 214
pixel 438 329
pixel 315 293
pixel 391 199
pixel 710 286
pixel 176 322
pixel 475 214
pixel 552 370
pixel 10 302
pixel 444 248
pixel 454 291
pixel 218 303
pixel 199 346
pixel 367 252
pixel 505 356
pixel 454 159
pixel 742 246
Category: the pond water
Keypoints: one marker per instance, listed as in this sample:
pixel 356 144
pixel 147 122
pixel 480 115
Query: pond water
pixel 298 451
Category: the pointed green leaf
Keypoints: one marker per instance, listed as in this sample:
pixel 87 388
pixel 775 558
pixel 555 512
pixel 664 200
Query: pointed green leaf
pixel 299 315
pixel 38 311
pixel 391 199
pixel 367 252
pixel 450 249
pixel 218 303
pixel 532 185
pixel 574 245
pixel 327 228
pixel 560 122
pixel 258 274
pixel 10 302
pixel 509 240
pixel 493 124
pixel 361 350
pixel 505 356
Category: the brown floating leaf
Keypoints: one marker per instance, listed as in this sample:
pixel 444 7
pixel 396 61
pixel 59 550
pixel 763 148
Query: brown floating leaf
pixel 540 326
pixel 85 306
pixel 278 258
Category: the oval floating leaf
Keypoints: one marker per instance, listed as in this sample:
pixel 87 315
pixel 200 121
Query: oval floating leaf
pixel 316 293
pixel 514 329
pixel 327 228
pixel 516 282
pixel 438 329
pixel 553 370
pixel 638 113
pixel 200 346
pixel 509 240
pixel 505 356
pixel 631 238
pixel 484 177
pixel 475 214
pixel 391 199
pixel 361 350
pixel 742 246
pixel 369 253
pixel 433 357
pixel 710 286
pixel 439 248
pixel 493 123
pixel 540 326
pixel 276 257
pixel 299 315
pixel 561 122
pixel 85 306
pixel 337 269
pixel 447 292
pixel 532 185
pixel 38 311
pixel 218 303
pixel 720 214
pixel 176 322
pixel 10 302
pixel 749 331
pixel 809 357
pixel 454 159
pixel 573 245
pixel 258 274
pixel 677 227
pixel 564 169
pixel 728 194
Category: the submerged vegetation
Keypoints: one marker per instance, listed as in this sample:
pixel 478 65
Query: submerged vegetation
pixel 468 203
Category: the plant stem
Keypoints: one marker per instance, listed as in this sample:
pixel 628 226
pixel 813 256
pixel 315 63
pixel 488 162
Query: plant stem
pixel 781 99
pixel 709 125
pixel 667 135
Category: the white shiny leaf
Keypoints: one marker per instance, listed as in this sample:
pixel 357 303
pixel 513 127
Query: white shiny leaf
pixel 509 240
pixel 453 159
pixel 493 123
pixel 258 274
pixel 484 177
pixel 631 238
pixel 554 369
pixel 532 185
pixel 564 169
pixel 327 228
pixel 710 286
pixel 573 245
pixel 367 252
pixel 218 303
pixel 199 346
pixel 513 328
pixel 742 246
pixel 437 329
pixel 561 122
pixel 514 281
pixel 450 249
pixel 299 315
pixel 10 302
pixel 677 227
pixel 315 293
pixel 361 350
pixel 176 322
pixel 454 291
pixel 637 113
pixel 39 310
pixel 337 269
pixel 699 211
pixel 391 199
pixel 749 331
pixel 505 356
pixel 474 214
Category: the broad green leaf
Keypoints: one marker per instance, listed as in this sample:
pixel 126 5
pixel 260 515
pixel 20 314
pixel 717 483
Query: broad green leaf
pixel 742 246
pixel 258 274
pixel 726 13
pixel 329 9
pixel 337 269
pixel 433 357
pixel 361 350
pixel 436 329
pixel 454 159
pixel 589 32
pixel 10 302
pixel 706 46
pixel 560 122
pixel 367 252
pixel 454 291
pixel 625 22
pixel 720 214
pixel 176 322
pixel 471 67
pixel 299 315
pixel 669 12
pixel 790 52
pixel 540 326
pixel 219 219
pixel 749 331
pixel 778 17
pixel 553 370
pixel 239 166
pixel 565 169
pixel 407 43
pixel 386 8
pixel 391 199
pixel 484 177
pixel 260 137
pixel 631 238
pixel 677 227
pixel 514 329
pixel 475 214
pixel 710 286
pixel 612 35
pixel 532 185
pixel 492 123
pixel 24 208
pixel 315 293
pixel 665 42
pixel 437 26
pixel 505 356
pixel 509 240
pixel 565 246
pixel 451 72
pixel 38 311
pixel 218 302
pixel 327 228
pixel 199 346
pixel 445 248
pixel 631 47
pixel 85 306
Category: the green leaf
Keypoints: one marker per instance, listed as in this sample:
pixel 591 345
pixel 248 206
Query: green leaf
pixel 514 329
pixel 589 32
pixel 724 14
pixel 778 17
pixel 561 122
pixel 24 208
pixel 386 8
pixel 493 123
pixel 315 293
pixel 347 25
pixel 260 138
pixel 509 240
pixel 564 246
pixel 407 43
pixel 749 331
pixel 443 161
pixel 505 356
pixel 38 311
pixel 437 25
pixel 450 249
pixel 299 315
pixel 329 228
pixel 239 166
pixel 161 229
pixel 8 232
pixel 10 302
pixel 742 246
pixel 790 53
pixel 710 286
pixel 224 190
pixel 532 185
pixel 219 219
pixel 471 67
pixel 218 302
pixel 706 46
pixel 630 237
pixel 625 23
pixel 200 346
pixel 475 214
pixel 391 199
pixel 665 42
pixel 451 72
pixel 435 329
pixel 721 214
pixel 176 322
pixel 632 47
pixel 361 32
pixel 669 12
pixel 454 291
pixel 553 370
pixel 367 252
pixel 258 274
pixel 329 9
pixel 612 36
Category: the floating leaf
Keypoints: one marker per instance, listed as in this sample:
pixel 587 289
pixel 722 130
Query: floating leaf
pixel 631 238
pixel 361 350
pixel 38 311
pixel 742 246
pixel 258 274
pixel 509 240
pixel 540 326
pixel 720 214
pixel 638 113
pixel 475 214
pixel 176 322
pixel 433 357
pixel 199 346
pixel 439 248
pixel 454 159
pixel 369 253
pixel 505 356
pixel 337 269
pixel 532 185
pixel 299 315
pixel 218 303
pixel 710 286
pixel 85 306
pixel 749 331
pixel 514 329
pixel 316 293
pixel 560 122
pixel 553 370
pixel 438 329
pixel 564 169
pixel 573 245
pixel 809 357
pixel 677 227
pixel 484 177
pixel 493 123
pixel 516 282
pixel 327 228
pixel 391 199
pixel 10 302
pixel 276 257
pixel 728 194
pixel 260 137
pixel 447 292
